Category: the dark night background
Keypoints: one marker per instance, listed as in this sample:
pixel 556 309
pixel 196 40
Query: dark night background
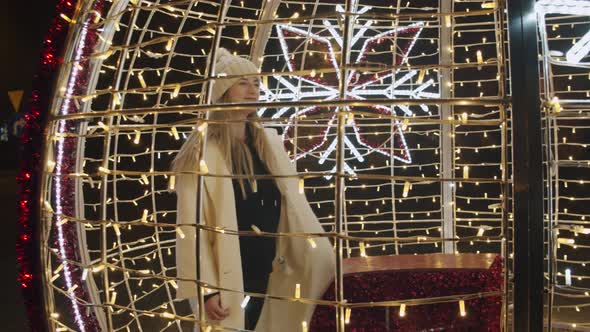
pixel 24 24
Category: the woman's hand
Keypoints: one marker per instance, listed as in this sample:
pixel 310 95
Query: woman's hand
pixel 214 310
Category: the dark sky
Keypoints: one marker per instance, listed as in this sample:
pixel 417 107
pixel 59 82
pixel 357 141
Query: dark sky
pixel 24 24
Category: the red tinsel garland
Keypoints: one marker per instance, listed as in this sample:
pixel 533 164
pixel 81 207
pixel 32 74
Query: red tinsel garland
pixel 31 168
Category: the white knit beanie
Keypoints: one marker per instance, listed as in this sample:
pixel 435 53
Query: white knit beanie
pixel 230 65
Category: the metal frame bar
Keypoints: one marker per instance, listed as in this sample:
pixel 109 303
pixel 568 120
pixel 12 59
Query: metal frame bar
pixel 446 144
pixel 528 180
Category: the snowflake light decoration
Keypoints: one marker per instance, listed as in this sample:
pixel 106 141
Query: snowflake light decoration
pixel 360 86
pixel 580 48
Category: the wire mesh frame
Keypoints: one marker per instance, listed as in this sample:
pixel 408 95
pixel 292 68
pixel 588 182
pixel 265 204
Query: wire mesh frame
pixel 564 99
pixel 103 206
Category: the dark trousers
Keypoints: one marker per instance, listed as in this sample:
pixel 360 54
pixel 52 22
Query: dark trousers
pixel 254 307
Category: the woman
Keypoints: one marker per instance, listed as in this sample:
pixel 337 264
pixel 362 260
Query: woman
pixel 263 265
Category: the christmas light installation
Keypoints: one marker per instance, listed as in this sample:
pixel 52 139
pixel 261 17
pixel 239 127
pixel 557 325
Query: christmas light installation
pixel 360 85
pixel 139 263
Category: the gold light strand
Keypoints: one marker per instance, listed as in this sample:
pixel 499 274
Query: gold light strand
pixel 202 128
pixel 246 32
pixel 137 137
pixel 462 311
pixel 141 80
pixel 175 133
pixel 176 91
pixel 406 189
pixel 448 22
pixel 203 167
pixel 180 233
pixel 303 326
pixel 172 182
pixel 555 105
pixel 362 249
pixel 245 301
pixel 421 75
pixel 347 316
pixel 144 216
pixel 66 18
pixel 169 44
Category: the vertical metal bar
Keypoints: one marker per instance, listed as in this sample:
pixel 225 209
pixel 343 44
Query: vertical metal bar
pixel 209 72
pixel 500 39
pixel 505 190
pixel 393 126
pixel 553 205
pixel 339 199
pixel 551 248
pixel 528 180
pixel 446 141
pixel 552 186
pixel 104 178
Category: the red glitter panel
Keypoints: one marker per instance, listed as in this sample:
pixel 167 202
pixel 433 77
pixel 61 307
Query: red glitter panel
pixel 407 277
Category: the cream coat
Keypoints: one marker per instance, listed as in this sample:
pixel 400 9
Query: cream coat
pixel 295 261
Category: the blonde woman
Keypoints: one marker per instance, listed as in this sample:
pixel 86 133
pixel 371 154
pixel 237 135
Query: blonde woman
pixel 232 265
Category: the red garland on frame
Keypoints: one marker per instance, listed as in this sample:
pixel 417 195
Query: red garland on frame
pixel 29 266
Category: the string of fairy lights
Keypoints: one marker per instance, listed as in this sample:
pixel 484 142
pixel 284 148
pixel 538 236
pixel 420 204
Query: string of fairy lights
pixel 565 68
pixel 397 179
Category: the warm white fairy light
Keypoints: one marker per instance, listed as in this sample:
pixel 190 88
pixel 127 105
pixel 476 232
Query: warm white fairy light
pixel 568 277
pixel 203 167
pixel 202 127
pixel 312 243
pixel 144 216
pixel 347 314
pixel 180 233
pixel 141 80
pixel 172 182
pixel 175 133
pixel 362 249
pixel 462 310
pixel 407 186
pixel 245 301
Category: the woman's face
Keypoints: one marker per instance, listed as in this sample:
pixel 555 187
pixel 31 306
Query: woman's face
pixel 244 90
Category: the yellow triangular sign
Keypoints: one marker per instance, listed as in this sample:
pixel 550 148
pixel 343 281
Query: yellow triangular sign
pixel 15 98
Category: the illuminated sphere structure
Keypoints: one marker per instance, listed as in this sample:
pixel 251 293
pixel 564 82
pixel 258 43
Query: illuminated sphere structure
pixel 396 116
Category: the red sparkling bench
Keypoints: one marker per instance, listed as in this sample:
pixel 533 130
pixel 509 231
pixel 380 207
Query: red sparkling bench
pixel 406 277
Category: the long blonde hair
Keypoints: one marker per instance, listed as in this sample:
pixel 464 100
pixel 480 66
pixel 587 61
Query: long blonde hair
pixel 236 153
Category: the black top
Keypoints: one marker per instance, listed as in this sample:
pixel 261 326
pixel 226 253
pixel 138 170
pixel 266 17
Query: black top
pixel 262 209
